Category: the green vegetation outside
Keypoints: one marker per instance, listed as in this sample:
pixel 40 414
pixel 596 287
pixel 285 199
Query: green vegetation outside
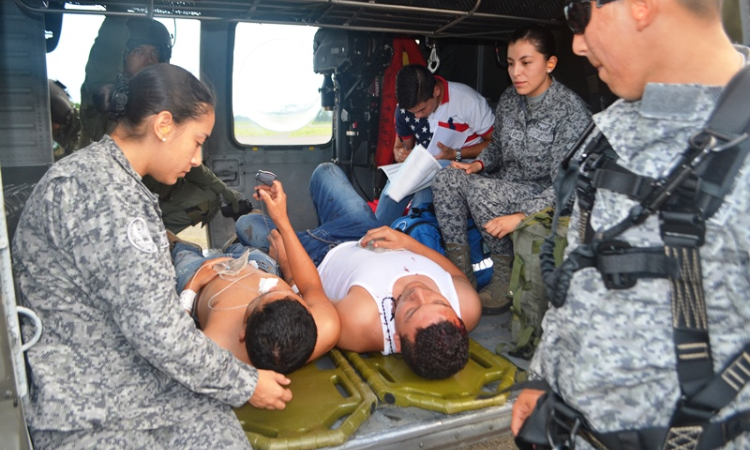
pixel 319 130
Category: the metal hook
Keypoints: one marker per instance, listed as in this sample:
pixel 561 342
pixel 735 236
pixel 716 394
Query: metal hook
pixel 433 62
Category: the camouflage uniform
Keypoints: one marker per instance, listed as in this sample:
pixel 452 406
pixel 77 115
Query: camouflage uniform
pixel 610 353
pixel 119 364
pixel 519 165
pixel 194 199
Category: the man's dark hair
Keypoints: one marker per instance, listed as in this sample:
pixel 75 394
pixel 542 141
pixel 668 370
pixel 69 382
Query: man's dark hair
pixel 438 351
pixel 280 336
pixel 414 84
pixel 541 38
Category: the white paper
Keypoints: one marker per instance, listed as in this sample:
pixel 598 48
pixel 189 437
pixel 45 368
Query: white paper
pixel 450 138
pixel 412 175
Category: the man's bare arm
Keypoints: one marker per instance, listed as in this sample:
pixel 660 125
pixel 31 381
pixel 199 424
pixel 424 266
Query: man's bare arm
pixel 387 237
pixel 468 152
pixel 205 274
pixel 303 271
pixel 360 322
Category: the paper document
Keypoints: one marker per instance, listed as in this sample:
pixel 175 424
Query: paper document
pixel 450 138
pixel 412 175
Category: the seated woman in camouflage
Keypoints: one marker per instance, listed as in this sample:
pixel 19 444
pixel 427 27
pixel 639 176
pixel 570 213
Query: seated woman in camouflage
pixel 537 121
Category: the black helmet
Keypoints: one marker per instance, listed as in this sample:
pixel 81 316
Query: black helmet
pixel 145 31
pixel 65 116
pixel 59 102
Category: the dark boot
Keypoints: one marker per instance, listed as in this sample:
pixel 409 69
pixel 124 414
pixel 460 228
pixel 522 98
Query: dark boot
pixel 459 255
pixel 495 296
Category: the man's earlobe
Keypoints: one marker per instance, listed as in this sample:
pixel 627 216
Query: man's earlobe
pixel 397 342
pixel 242 336
pixel 643 12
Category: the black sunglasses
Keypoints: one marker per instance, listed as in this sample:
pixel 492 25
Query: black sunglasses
pixel 578 13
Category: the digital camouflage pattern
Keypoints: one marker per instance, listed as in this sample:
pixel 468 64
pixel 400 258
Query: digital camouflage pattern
pixel 610 353
pixel 216 429
pixel 520 164
pixel 118 356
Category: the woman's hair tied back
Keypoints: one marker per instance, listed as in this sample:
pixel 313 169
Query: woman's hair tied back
pixel 157 88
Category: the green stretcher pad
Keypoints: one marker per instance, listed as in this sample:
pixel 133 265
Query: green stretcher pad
pixel 322 398
pixel 469 389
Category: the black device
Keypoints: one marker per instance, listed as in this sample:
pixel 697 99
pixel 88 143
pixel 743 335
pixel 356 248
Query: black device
pixel 265 177
pixel 245 207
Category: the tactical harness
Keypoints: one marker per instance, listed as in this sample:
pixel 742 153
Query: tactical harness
pixel 684 198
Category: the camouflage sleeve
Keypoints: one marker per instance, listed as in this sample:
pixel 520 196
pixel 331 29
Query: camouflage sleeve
pixel 130 275
pixel 492 155
pixel 105 63
pixel 576 119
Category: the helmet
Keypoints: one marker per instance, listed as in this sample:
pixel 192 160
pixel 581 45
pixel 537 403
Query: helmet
pixel 59 101
pixel 65 120
pixel 145 31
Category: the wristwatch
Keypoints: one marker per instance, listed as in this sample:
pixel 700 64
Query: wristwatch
pixel 458 155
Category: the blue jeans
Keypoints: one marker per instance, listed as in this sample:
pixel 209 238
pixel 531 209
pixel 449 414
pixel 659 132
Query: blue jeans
pixel 188 258
pixel 389 210
pixel 342 216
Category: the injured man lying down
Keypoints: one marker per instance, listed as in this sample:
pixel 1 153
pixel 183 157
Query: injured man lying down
pixel 239 301
pixel 392 294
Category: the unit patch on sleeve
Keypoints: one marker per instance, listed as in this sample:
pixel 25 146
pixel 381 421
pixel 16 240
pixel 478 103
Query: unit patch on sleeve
pixel 140 237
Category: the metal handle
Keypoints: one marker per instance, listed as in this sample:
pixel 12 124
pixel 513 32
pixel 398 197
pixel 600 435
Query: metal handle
pixel 37 326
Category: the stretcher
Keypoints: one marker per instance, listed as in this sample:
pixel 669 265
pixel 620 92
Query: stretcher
pixel 336 404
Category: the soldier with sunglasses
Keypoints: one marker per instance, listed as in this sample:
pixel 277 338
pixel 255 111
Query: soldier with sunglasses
pixel 608 359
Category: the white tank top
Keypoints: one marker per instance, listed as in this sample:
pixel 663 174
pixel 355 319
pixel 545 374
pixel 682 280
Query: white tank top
pixel 349 265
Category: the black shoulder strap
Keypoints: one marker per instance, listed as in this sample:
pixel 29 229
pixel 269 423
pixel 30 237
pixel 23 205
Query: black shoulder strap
pixel 726 145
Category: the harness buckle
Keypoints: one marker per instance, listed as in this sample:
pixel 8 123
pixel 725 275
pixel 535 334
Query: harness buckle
pixel 562 427
pixel 585 190
pixel 616 280
pixel 681 228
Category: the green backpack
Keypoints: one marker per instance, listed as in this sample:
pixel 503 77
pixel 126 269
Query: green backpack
pixel 526 283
